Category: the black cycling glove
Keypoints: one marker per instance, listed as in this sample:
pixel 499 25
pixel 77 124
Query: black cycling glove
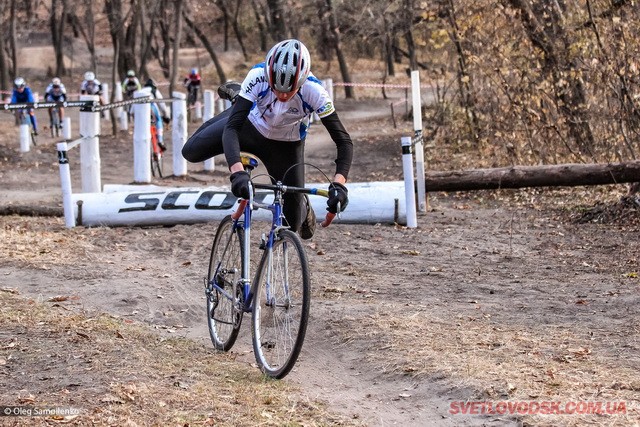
pixel 240 184
pixel 337 196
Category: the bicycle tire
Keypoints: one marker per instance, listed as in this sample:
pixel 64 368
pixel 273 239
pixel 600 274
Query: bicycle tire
pixel 279 319
pixel 156 154
pixel 156 165
pixel 224 315
pixel 55 123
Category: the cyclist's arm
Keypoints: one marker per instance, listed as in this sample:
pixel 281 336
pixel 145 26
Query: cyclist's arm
pixel 344 145
pixel 231 134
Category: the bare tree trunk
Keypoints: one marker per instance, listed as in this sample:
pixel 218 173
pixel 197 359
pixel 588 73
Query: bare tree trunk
pixel 13 44
pixel 56 25
pixel 262 26
pixel 4 69
pixel 87 30
pixel 408 35
pixel 279 28
pixel 334 29
pixel 388 48
pixel 146 35
pixel 205 42
pixel 176 44
pixel 114 79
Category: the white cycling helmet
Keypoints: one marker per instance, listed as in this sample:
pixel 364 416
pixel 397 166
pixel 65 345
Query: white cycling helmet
pixel 287 66
pixel 19 82
pixel 131 73
pixel 89 75
pixel 55 81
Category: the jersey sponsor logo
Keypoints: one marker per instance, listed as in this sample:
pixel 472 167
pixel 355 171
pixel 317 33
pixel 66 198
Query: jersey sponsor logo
pixel 257 81
pixel 325 109
pixel 292 110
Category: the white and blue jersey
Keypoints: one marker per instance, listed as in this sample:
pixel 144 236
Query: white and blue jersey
pixel 284 121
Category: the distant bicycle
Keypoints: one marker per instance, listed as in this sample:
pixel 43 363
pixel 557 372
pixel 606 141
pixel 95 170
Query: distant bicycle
pixel 56 124
pixel 192 98
pixel 24 119
pixel 156 153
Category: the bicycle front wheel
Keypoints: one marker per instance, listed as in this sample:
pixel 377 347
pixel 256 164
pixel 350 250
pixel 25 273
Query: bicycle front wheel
pixel 282 293
pixel 225 302
pixel 156 164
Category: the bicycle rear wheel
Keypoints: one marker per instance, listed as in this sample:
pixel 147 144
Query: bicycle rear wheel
pixel 224 312
pixel 281 305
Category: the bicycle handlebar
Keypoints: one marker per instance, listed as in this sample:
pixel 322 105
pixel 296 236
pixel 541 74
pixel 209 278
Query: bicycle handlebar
pixel 284 189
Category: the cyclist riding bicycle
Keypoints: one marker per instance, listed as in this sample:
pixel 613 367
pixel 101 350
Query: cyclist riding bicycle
pixel 130 84
pixel 92 86
pixel 56 92
pixel 21 94
pixel 159 112
pixel 192 82
pixel 270 119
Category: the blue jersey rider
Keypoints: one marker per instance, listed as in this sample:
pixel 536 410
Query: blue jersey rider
pixel 22 94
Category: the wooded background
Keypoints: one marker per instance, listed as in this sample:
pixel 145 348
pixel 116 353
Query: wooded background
pixel 524 81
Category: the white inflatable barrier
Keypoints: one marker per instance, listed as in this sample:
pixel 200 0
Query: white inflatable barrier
pixel 131 205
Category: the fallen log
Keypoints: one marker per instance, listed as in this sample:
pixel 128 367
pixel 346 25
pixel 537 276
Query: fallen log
pixel 25 210
pixel 565 175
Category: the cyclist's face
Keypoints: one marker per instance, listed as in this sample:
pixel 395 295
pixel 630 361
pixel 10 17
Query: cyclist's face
pixel 20 89
pixel 284 96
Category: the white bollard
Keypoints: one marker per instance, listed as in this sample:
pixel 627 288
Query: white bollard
pixel 417 126
pixel 89 124
pixel 197 109
pixel 209 107
pixel 117 97
pixel 25 137
pixel 328 85
pixel 220 106
pixel 105 98
pixel 179 132
pixel 409 191
pixel 66 128
pixel 124 120
pixel 142 138
pixel 65 183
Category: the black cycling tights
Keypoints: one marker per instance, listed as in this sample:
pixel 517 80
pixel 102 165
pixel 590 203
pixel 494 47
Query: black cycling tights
pixel 277 157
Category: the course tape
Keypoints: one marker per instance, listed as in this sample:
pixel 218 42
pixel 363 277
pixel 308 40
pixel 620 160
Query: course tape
pixel 85 106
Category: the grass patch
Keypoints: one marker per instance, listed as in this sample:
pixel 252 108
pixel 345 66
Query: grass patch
pixel 117 372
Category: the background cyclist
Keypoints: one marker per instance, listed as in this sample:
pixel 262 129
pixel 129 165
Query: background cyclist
pixel 269 119
pixel 159 112
pixel 192 83
pixel 92 86
pixel 130 84
pixel 21 94
pixel 56 92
